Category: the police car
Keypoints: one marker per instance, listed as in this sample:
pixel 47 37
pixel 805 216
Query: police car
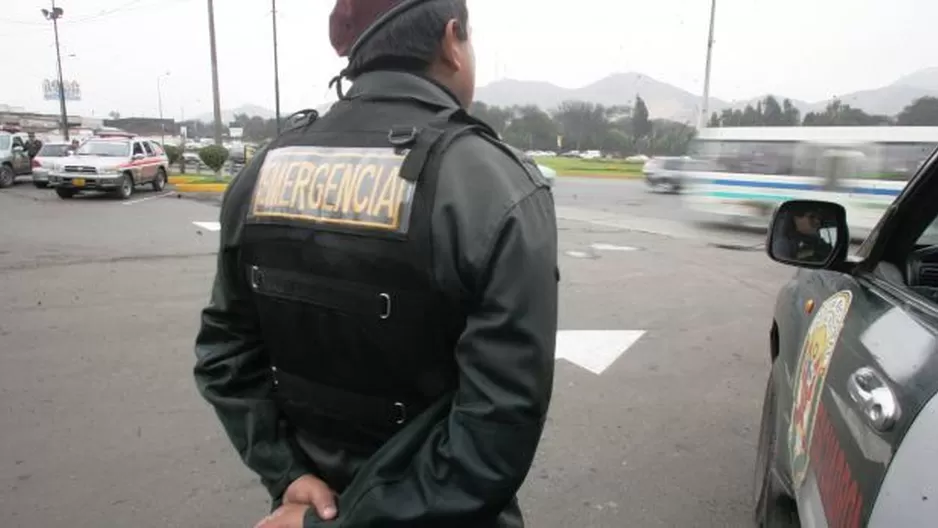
pixel 849 433
pixel 110 161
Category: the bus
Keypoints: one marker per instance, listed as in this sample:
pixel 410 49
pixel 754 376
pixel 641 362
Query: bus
pixel 738 175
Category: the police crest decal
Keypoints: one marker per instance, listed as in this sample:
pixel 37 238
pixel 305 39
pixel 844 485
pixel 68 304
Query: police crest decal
pixel 815 358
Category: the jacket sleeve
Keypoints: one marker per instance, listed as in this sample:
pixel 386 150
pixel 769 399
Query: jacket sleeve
pixel 232 371
pixel 469 462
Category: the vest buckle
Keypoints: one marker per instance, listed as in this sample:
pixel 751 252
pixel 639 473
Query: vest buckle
pixel 400 412
pixel 385 305
pixel 257 278
pixel 402 137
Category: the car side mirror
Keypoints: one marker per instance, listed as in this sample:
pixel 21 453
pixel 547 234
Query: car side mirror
pixel 17 148
pixel 809 234
pixel 138 157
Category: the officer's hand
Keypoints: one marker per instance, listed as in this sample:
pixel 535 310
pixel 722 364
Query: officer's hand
pixel 286 516
pixel 310 491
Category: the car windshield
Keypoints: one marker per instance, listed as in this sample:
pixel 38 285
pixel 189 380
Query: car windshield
pixel 117 149
pixel 53 151
pixel 4 142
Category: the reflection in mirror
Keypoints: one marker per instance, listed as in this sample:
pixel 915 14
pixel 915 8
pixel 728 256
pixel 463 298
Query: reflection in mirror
pixel 805 232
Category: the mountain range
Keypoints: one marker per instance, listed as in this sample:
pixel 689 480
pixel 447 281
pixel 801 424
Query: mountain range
pixel 663 100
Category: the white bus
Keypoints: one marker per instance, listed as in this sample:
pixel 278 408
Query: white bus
pixel 738 175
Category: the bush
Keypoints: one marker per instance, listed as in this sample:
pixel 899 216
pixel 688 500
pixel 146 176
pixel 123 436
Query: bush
pixel 173 153
pixel 213 156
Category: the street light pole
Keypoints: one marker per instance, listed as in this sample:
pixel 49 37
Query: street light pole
pixel 54 16
pixel 215 96
pixel 706 93
pixel 159 102
pixel 273 5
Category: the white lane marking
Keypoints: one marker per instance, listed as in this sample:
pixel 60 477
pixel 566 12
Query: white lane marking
pixel 209 226
pixel 577 254
pixel 595 350
pixel 611 247
pixel 148 198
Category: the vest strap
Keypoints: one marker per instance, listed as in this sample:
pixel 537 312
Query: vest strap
pixel 343 405
pixel 399 306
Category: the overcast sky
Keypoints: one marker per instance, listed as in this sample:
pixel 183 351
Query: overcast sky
pixel 116 49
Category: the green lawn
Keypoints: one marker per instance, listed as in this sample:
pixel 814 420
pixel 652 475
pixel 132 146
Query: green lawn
pixel 599 168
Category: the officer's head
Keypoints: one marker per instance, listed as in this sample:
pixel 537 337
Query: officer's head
pixel 430 37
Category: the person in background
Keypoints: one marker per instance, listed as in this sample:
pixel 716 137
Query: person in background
pixel 33 145
pixel 379 344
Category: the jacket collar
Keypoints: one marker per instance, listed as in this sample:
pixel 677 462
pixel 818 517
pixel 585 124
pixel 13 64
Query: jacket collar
pixel 405 85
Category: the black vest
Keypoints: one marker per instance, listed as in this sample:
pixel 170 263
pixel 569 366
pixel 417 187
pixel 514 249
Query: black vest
pixel 337 249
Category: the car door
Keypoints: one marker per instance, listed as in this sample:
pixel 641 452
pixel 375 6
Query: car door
pixel 138 161
pixel 149 165
pixel 21 161
pixel 866 368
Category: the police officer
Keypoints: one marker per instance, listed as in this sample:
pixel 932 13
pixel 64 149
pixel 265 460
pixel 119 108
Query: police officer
pixel 379 344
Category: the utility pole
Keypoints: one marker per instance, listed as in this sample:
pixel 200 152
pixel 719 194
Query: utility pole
pixel 54 16
pixel 215 96
pixel 159 102
pixel 706 93
pixel 273 5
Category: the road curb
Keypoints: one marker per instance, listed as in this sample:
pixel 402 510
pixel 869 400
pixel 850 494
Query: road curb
pixel 200 187
pixel 599 175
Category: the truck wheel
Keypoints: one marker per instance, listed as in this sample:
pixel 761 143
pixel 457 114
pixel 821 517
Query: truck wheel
pixel 65 194
pixel 127 187
pixel 7 176
pixel 773 509
pixel 159 181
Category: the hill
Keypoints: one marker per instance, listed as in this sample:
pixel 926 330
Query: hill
pixel 670 102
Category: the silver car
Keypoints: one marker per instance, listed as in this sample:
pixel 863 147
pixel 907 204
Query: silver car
pixel 49 154
pixel 115 163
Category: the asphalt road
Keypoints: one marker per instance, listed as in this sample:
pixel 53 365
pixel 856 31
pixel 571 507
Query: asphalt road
pixel 102 426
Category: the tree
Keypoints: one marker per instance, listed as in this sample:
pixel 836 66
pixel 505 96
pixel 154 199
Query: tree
pixel 772 114
pixel 791 116
pixel 641 124
pixel 114 114
pixel 531 128
pixel 214 157
pixel 714 120
pixel 496 117
pixel 839 114
pixel 583 124
pixel 922 112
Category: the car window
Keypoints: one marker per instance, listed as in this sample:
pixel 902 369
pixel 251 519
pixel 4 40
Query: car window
pixel 18 142
pixel 137 149
pixel 53 151
pixel 156 148
pixel 146 147
pixel 4 142
pixel 103 148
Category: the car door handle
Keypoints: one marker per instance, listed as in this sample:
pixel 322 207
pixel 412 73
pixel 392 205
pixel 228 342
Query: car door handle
pixel 876 400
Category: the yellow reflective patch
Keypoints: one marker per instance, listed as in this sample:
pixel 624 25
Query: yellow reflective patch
pixel 350 187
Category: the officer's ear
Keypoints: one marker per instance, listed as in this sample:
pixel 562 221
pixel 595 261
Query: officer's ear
pixel 453 47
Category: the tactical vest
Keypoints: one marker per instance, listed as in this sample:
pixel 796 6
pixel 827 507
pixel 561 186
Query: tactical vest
pixel 337 250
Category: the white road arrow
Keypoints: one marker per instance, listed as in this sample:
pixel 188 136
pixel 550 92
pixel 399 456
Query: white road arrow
pixel 209 226
pixel 595 350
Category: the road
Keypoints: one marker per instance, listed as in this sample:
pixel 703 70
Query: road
pixel 102 425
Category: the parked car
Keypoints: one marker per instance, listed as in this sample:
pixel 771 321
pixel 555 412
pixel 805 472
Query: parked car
pixel 116 163
pixel 850 417
pixel 49 154
pixel 14 160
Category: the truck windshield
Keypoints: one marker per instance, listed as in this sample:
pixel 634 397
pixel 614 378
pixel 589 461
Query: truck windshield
pixel 118 149
pixel 4 142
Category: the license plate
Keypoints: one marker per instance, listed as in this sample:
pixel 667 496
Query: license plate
pixel 78 182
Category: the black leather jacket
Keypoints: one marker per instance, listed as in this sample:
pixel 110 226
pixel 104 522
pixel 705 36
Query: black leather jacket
pixel 462 462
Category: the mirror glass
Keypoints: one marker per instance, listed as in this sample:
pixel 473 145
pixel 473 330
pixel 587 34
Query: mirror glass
pixel 805 232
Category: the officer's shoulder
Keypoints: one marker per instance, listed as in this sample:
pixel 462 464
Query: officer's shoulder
pixel 493 165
